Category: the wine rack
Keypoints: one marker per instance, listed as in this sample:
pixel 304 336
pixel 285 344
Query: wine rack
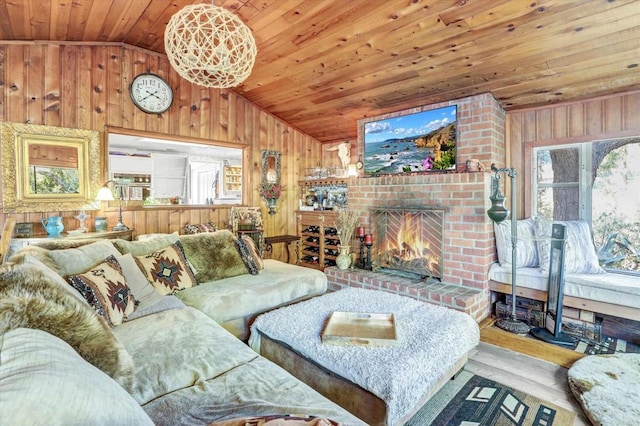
pixel 319 239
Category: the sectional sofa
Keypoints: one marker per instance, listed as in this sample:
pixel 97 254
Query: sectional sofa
pixel 148 332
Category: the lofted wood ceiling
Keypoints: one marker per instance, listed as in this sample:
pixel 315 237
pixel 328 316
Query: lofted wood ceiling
pixel 324 64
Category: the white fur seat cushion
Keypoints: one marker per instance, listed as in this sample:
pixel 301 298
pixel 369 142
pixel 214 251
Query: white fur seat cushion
pixel 608 388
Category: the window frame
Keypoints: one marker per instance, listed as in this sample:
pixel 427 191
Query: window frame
pixel 585 150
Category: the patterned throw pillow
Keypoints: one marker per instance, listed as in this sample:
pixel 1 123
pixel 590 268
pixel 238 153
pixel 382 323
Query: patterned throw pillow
pixel 249 254
pixel 527 250
pixel 200 227
pixel 580 254
pixel 105 288
pixel 167 269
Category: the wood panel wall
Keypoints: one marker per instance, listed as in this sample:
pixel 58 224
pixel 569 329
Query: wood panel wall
pixel 78 85
pixel 611 117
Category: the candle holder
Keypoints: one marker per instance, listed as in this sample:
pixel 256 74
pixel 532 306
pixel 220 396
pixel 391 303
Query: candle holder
pixel 367 263
pixel 360 263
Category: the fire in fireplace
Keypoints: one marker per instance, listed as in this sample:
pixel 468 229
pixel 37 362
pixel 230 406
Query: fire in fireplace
pixel 409 240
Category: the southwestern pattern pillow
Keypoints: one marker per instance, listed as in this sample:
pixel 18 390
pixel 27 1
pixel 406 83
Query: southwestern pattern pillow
pixel 247 253
pixel 167 269
pixel 527 252
pixel 105 288
pixel 200 227
pixel 253 250
pixel 580 254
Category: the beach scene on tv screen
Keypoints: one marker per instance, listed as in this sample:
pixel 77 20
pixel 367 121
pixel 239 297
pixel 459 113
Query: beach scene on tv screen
pixel 420 142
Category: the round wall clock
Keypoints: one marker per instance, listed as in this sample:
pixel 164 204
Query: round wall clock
pixel 151 93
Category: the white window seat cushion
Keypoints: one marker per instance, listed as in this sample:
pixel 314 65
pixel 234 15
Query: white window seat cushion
pixel 617 289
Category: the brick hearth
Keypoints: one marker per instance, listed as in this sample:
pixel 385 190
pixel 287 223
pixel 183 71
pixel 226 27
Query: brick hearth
pixel 469 300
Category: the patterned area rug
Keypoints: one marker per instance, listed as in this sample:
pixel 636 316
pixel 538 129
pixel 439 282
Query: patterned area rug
pixel 472 400
pixel 608 345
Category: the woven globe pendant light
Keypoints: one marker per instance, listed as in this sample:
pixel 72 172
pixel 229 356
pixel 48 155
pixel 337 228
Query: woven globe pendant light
pixel 209 46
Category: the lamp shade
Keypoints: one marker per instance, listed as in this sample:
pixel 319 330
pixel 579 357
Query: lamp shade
pixel 105 194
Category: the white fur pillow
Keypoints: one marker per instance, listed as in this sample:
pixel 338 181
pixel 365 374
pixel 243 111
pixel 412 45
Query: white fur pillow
pixel 29 299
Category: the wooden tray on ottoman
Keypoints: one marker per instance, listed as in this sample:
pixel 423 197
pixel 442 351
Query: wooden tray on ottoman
pixel 360 328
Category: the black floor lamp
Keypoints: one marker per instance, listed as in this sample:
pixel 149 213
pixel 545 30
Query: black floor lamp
pixel 498 212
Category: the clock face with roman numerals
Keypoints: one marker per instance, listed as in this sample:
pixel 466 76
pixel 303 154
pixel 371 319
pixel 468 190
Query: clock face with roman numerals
pixel 151 93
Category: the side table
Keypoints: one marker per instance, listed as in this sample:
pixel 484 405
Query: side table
pixel 288 239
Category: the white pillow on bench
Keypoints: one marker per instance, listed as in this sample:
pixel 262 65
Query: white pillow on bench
pixel 580 254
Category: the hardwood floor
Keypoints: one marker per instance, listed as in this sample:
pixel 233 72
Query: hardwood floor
pixel 535 367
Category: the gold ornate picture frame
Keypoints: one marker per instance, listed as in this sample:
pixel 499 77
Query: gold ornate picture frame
pixel 46 168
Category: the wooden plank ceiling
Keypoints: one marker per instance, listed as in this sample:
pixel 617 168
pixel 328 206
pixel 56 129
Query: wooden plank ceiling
pixel 324 64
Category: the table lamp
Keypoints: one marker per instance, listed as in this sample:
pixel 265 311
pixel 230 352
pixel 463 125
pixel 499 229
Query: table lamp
pixel 105 194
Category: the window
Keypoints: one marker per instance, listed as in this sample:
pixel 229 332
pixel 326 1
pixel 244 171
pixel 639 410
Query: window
pixel 600 183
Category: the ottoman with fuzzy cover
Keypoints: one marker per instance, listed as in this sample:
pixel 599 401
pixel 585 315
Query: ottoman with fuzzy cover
pixel 382 385
pixel 608 388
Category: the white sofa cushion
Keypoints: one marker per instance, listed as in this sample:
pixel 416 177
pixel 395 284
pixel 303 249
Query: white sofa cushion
pixel 255 388
pixel 527 249
pixel 78 260
pixel 45 382
pixel 144 293
pixel 237 297
pixel 146 243
pixel 176 349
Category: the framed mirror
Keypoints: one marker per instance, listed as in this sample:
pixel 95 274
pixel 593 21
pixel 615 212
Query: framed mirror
pixel 157 169
pixel 271 167
pixel 46 168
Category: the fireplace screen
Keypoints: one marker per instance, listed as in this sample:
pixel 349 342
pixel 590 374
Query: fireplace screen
pixel 409 240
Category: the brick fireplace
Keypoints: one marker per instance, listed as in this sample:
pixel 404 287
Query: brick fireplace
pixel 468 246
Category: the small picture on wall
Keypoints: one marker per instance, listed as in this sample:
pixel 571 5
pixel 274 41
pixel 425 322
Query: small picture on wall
pixel 24 230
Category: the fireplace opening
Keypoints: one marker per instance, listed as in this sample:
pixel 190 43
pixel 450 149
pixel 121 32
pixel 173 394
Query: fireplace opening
pixel 409 241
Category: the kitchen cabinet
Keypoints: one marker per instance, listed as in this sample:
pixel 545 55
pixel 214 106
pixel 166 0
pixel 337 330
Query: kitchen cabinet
pixel 169 176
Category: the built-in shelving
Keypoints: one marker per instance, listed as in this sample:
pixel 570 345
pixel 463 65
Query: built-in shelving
pixel 232 179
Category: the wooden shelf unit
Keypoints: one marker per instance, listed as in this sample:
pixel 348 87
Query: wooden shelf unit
pixel 319 239
pixel 232 179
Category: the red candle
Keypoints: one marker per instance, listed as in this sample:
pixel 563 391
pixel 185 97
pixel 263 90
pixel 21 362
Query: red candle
pixel 368 239
pixel 360 231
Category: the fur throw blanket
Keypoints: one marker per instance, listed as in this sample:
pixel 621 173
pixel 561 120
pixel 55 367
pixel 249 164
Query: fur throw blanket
pixel 31 298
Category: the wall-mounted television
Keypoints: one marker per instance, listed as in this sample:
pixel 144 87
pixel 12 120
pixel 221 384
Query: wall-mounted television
pixel 419 142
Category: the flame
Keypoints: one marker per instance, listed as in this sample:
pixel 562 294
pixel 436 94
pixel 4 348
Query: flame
pixel 408 245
